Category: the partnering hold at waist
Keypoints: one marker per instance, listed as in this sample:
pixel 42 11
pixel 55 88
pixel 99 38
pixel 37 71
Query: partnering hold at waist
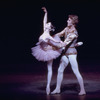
pixel 71 47
pixel 74 53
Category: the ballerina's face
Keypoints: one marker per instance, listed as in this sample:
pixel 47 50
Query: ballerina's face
pixel 50 26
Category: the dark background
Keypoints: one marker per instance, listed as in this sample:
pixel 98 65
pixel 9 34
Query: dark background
pixel 21 26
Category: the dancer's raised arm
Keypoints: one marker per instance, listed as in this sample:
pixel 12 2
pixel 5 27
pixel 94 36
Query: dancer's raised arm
pixel 45 17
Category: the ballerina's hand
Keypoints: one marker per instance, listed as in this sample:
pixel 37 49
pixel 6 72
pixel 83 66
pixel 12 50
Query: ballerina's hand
pixel 62 44
pixel 60 41
pixel 78 44
pixel 44 9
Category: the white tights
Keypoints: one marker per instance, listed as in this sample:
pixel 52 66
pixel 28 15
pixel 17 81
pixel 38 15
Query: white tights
pixel 49 76
pixel 74 65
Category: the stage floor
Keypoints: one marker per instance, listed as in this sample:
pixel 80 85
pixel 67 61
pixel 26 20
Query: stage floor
pixel 31 86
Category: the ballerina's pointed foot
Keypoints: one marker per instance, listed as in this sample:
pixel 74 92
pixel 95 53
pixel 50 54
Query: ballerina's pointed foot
pixel 82 93
pixel 56 91
pixel 48 91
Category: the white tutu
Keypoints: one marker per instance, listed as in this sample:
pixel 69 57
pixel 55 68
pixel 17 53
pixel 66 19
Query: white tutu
pixel 45 52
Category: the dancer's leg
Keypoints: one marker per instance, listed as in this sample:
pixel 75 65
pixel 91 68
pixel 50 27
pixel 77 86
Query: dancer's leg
pixel 62 66
pixel 49 76
pixel 74 65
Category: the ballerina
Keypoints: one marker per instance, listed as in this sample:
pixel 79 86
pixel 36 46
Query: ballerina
pixel 48 48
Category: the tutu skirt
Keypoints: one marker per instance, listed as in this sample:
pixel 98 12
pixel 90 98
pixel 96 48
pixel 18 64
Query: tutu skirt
pixel 45 54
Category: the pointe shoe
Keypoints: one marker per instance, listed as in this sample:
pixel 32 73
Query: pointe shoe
pixel 48 91
pixel 56 91
pixel 82 93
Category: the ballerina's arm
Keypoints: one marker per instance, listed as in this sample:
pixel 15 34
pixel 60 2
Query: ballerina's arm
pixel 78 44
pixel 45 18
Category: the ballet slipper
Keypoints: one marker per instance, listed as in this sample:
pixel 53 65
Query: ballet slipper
pixel 48 90
pixel 56 91
pixel 82 93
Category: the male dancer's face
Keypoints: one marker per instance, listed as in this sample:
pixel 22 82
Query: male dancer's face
pixel 69 22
